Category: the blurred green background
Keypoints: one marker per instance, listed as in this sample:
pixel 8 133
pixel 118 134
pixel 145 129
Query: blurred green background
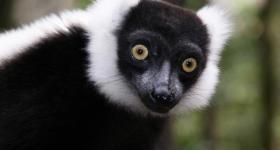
pixel 244 113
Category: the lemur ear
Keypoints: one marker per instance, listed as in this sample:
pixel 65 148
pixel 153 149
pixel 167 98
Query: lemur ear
pixel 219 27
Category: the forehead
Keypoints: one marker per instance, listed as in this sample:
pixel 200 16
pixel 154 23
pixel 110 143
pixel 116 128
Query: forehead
pixel 171 22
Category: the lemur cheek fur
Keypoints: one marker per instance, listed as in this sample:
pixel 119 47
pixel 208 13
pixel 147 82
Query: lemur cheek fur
pixel 108 77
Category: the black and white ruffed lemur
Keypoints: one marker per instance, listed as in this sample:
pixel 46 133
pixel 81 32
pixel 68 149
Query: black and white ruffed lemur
pixel 108 77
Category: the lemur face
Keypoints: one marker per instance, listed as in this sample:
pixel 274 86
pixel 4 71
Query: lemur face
pixel 151 57
pixel 162 52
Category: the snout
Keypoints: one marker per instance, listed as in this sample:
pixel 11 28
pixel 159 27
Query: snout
pixel 162 91
pixel 161 100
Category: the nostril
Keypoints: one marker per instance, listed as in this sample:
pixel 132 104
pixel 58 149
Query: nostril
pixel 154 96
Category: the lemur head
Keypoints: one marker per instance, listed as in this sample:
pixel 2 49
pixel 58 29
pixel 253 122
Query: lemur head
pixel 153 57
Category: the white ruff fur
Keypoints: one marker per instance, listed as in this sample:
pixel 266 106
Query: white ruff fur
pixel 103 69
pixel 101 20
pixel 17 41
pixel 219 28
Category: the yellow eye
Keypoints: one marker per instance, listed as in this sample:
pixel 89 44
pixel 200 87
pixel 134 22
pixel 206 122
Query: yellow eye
pixel 189 65
pixel 140 52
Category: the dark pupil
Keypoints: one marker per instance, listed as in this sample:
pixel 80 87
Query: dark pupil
pixel 189 63
pixel 140 51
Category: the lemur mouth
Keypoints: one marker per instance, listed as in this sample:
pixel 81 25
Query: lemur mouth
pixel 159 109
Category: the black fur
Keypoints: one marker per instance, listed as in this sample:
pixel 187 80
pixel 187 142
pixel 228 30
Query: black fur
pixel 48 103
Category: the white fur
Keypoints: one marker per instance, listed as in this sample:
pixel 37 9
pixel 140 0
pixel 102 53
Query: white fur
pixel 17 41
pixel 219 28
pixel 103 70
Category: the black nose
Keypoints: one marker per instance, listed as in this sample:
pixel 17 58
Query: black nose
pixel 163 98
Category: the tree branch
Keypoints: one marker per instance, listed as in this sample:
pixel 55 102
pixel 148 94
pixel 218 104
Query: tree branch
pixel 268 76
pixel 5 13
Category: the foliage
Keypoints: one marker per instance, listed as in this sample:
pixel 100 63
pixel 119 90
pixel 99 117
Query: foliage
pixel 83 3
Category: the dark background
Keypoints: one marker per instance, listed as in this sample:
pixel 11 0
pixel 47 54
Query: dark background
pixel 244 113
